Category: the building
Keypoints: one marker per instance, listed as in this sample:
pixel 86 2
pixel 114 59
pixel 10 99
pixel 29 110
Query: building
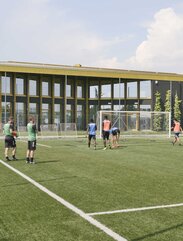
pixel 58 93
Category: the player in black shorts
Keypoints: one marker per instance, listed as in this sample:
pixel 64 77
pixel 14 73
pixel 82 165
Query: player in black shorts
pixel 115 133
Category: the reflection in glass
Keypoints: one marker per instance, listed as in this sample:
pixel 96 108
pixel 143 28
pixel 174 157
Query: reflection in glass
pixel 131 89
pixel 145 89
pixel 19 86
pixel 33 87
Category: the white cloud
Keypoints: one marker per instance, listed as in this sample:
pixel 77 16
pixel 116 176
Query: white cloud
pixel 163 48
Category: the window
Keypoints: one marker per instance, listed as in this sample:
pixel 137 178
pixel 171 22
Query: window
pixel 79 91
pixel 131 89
pixel 6 111
pixel 145 89
pixel 79 117
pixel 68 90
pixel 119 90
pixel 57 89
pixel 145 107
pixel 19 86
pixel 21 120
pixel 5 85
pixel 69 113
pixel 45 113
pixel 105 107
pixel 93 112
pixel 33 87
pixel 118 107
pixel 32 108
pixel 94 91
pixel 57 113
pixel 45 88
pixel 106 91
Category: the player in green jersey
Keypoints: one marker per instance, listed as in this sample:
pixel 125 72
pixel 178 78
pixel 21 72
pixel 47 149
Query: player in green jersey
pixel 10 142
pixel 31 129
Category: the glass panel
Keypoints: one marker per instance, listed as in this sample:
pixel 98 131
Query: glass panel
pixel 56 89
pixel 57 113
pixel 93 112
pixel 119 90
pixel 79 92
pixel 5 85
pixel 68 90
pixel 79 117
pixel 94 91
pixel 6 111
pixel 119 107
pixel 69 113
pixel 19 86
pixel 21 118
pixel 45 113
pixel 45 88
pixel 33 87
pixel 106 91
pixel 105 107
pixel 132 107
pixel 132 90
pixel 32 108
pixel 145 89
pixel 145 107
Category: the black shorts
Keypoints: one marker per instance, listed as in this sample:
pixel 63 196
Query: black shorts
pixel 10 142
pixel 115 132
pixel 105 135
pixel 91 137
pixel 177 134
pixel 32 145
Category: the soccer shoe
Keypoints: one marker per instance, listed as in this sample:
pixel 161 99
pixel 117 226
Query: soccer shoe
pixel 33 162
pixel 7 159
pixel 14 159
pixel 105 148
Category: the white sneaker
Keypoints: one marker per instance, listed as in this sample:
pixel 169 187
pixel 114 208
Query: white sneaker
pixel 105 148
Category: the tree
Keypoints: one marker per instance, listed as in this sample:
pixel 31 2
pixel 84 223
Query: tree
pixel 157 108
pixel 177 112
pixel 167 108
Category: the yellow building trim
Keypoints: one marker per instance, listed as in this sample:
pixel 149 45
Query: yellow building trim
pixel 19 67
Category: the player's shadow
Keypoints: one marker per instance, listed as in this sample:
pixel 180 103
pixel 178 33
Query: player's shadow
pixel 158 232
pixel 14 184
pixel 55 179
pixel 50 161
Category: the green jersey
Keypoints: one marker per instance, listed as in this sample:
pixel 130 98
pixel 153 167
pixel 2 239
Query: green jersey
pixel 31 128
pixel 7 129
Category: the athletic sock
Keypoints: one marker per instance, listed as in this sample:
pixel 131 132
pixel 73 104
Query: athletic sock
pixel 27 159
pixel 31 160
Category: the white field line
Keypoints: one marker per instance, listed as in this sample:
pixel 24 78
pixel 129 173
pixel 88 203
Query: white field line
pixel 68 205
pixel 38 144
pixel 136 209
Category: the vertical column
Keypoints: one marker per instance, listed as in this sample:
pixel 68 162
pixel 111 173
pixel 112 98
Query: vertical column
pixel 52 100
pixel 86 111
pixel 14 99
pixel 0 98
pixel 39 83
pixel 65 100
pixel 75 99
pixel 27 93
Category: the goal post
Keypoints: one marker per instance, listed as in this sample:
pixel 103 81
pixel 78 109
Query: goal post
pixel 137 122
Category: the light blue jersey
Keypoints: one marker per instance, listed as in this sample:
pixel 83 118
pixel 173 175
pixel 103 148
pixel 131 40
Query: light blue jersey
pixel 92 129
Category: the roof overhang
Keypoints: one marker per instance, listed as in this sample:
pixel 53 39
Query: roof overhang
pixel 78 70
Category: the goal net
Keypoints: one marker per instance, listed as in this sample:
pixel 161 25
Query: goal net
pixel 21 123
pixel 59 130
pixel 137 122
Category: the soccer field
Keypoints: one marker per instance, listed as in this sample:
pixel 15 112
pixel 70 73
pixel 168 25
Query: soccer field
pixel 74 193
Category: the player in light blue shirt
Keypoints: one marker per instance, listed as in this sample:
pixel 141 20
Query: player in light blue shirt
pixel 92 127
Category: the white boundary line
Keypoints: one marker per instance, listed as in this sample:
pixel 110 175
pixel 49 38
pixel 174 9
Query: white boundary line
pixel 38 144
pixel 136 209
pixel 68 205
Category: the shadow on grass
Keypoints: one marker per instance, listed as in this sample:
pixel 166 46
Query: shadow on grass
pixel 158 232
pixel 50 161
pixel 55 179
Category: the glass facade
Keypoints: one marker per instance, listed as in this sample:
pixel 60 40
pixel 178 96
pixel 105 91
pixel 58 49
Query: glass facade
pixel 57 89
pixel 131 89
pixel 21 117
pixel 19 86
pixel 5 85
pixel 33 87
pixel 6 111
pixel 45 89
pixel 145 89
pixel 81 100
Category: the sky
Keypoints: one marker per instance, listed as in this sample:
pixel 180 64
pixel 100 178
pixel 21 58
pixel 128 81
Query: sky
pixel 142 35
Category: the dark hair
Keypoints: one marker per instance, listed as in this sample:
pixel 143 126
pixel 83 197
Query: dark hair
pixel 105 117
pixel 91 120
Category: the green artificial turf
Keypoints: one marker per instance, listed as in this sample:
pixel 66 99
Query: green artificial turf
pixel 140 173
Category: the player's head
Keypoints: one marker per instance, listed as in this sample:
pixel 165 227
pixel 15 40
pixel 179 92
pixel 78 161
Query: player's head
pixel 10 120
pixel 106 117
pixel 31 119
pixel 91 120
